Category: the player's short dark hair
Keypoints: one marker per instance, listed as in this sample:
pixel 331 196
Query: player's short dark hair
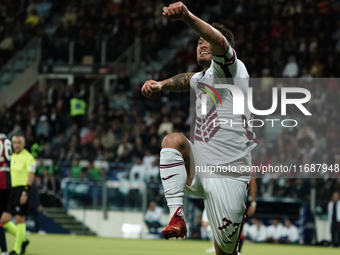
pixel 226 32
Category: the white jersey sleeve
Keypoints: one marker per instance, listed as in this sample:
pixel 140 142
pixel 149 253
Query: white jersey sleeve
pixel 228 66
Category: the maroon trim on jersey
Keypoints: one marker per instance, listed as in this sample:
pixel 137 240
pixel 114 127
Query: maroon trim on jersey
pixel 227 73
pixel 250 134
pixel 170 176
pixel 233 58
pixel 198 138
pixel 212 118
pixel 163 166
pixel 224 56
pixel 206 130
pixel 212 133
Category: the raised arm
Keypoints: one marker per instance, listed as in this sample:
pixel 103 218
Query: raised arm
pixel 178 83
pixel 218 43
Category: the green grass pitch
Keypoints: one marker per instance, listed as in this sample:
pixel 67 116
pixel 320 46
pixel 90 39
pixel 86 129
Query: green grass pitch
pixel 80 245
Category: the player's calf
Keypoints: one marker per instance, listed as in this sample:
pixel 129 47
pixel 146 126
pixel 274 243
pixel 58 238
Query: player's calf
pixel 173 170
pixel 173 159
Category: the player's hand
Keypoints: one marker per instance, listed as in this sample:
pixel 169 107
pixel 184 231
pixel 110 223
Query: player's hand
pixel 150 87
pixel 176 11
pixel 251 210
pixel 23 199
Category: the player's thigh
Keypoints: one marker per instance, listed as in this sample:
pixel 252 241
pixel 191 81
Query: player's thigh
pixel 20 219
pixel 14 206
pixel 225 205
pixel 5 217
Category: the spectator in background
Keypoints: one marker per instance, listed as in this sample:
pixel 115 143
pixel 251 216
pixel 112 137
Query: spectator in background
pixel 33 6
pixel 291 69
pixel 41 167
pixel 84 93
pixel 166 127
pixel 54 191
pixel 66 97
pixel 153 172
pixel 102 100
pixel 125 149
pixel 256 232
pixel 76 168
pixel 43 128
pixel 139 169
pixel 44 9
pixel 32 20
pixel 52 95
pixel 71 153
pixel 274 231
pixel 70 17
pixel 107 138
pixel 154 145
pixel 135 193
pixel 290 233
pixel 77 110
pixel 138 148
pixel 87 135
pixel 334 218
pixel 148 159
pixel 94 173
pixel 38 147
pixel 153 217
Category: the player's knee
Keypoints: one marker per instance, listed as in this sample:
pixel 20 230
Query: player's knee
pixel 5 218
pixel 19 219
pixel 175 141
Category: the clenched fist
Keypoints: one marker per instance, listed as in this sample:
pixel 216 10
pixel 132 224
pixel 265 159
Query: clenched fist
pixel 176 11
pixel 150 87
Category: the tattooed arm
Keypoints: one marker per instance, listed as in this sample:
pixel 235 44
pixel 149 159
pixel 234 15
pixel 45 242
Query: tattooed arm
pixel 218 43
pixel 178 83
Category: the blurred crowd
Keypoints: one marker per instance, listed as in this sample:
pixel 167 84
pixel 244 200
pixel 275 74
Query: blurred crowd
pixel 118 22
pixel 273 38
pixel 274 233
pixel 21 20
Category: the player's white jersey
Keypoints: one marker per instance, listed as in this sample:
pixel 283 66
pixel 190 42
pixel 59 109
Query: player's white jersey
pixel 221 143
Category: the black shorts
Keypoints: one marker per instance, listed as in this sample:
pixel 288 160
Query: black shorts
pixel 13 206
pixel 4 196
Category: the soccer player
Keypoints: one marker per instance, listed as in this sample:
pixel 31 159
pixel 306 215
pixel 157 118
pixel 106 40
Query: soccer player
pixel 5 184
pixel 223 145
pixel 23 168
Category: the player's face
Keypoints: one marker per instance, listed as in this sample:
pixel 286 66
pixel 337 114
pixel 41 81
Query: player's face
pixel 18 144
pixel 203 54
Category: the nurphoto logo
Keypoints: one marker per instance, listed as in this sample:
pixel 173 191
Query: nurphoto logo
pixel 239 103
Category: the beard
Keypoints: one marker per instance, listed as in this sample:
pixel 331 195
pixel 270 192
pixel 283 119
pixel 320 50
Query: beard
pixel 204 62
